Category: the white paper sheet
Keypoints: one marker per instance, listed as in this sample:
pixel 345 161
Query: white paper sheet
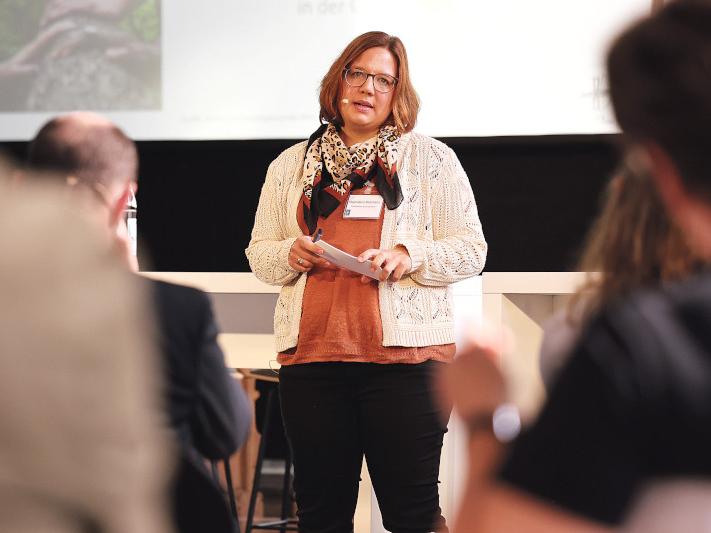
pixel 342 259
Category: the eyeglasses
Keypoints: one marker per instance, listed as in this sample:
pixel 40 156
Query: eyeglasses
pixel 383 83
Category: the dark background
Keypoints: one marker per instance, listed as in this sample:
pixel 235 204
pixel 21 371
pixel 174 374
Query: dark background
pixel 536 197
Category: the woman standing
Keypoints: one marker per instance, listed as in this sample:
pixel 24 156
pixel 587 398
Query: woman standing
pixel 357 355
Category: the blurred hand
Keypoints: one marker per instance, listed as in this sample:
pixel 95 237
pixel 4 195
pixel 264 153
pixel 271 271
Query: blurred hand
pixel 305 255
pixel 395 263
pixel 473 382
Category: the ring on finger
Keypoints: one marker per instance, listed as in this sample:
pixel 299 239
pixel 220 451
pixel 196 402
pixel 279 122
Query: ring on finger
pixel 300 261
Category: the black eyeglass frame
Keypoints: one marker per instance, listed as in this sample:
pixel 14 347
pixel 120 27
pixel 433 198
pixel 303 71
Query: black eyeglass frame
pixel 367 76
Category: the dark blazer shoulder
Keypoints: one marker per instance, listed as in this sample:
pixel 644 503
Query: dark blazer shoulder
pixel 173 299
pixel 173 291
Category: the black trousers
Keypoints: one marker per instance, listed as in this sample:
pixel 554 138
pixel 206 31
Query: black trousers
pixel 335 413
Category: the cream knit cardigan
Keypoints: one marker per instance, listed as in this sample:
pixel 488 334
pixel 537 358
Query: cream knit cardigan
pixel 437 222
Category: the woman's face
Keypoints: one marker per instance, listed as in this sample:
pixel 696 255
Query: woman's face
pixel 367 109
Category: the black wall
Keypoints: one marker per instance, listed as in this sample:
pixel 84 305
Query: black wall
pixel 536 198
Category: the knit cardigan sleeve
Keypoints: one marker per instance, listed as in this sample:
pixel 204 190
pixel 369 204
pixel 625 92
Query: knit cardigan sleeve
pixel 268 250
pixel 457 248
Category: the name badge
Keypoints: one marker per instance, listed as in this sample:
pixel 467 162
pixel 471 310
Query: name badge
pixel 363 206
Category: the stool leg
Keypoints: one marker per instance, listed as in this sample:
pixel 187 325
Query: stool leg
pixel 215 474
pixel 260 460
pixel 231 491
pixel 285 495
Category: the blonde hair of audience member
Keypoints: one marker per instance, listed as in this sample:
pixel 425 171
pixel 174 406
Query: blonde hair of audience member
pixel 632 244
pixel 78 398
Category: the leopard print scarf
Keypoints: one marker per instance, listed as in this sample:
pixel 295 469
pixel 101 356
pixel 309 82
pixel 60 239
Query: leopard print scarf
pixel 332 170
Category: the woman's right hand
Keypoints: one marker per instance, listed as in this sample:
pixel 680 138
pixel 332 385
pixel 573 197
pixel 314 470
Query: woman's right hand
pixel 305 254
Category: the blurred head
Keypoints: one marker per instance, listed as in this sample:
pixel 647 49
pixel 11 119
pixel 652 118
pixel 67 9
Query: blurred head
pixel 369 106
pixel 74 332
pixel 91 154
pixel 659 74
pixel 632 243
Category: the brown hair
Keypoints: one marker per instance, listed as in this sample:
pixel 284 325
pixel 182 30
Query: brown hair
pixel 99 154
pixel 632 244
pixel 406 103
pixel 659 74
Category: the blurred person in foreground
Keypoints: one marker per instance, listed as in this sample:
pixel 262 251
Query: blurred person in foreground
pixel 632 244
pixel 632 408
pixel 81 447
pixel 208 410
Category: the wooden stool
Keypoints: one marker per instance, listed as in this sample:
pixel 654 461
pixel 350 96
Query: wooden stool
pixel 230 489
pixel 284 523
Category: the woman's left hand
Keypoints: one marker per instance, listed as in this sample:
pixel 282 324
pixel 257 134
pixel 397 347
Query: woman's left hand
pixel 395 263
